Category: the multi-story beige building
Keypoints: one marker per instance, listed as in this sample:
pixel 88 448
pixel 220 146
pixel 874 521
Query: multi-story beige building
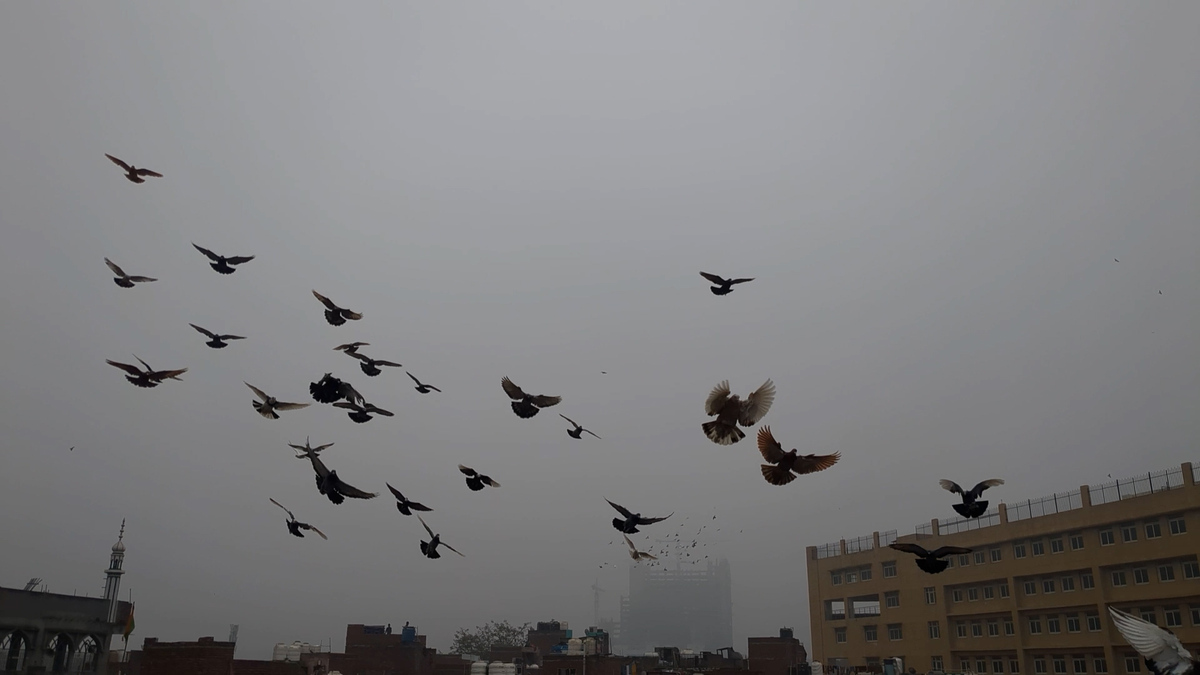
pixel 1031 598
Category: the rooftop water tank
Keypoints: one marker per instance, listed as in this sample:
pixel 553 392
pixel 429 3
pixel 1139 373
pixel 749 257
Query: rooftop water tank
pixel 479 668
pixel 408 634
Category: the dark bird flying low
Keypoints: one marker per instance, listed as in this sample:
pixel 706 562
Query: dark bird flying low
pixel 124 280
pixel 476 480
pixel 784 466
pixel 526 405
pixel 421 387
pixel 577 432
pixel 335 315
pixel 404 505
pixel 971 506
pixel 329 389
pixel 931 561
pixel 294 526
pixel 723 286
pixel 631 520
pixel 429 549
pixel 221 263
pixel 148 378
pixel 215 340
pixel 731 411
pixel 133 173
pixel 334 488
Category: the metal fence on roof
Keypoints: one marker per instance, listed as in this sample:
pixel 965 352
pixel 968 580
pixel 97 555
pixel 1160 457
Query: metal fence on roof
pixel 1154 481
pixel 1045 506
pixel 863 543
pixel 924 530
pixel 1196 472
pixel 966 524
pixel 886 538
pixel 829 550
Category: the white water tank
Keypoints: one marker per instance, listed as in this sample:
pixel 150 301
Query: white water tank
pixel 291 652
pixel 575 647
pixel 479 668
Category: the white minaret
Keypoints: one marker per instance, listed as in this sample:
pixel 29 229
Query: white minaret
pixel 113 584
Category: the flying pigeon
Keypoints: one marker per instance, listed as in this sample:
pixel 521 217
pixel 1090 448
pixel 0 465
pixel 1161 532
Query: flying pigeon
pixel 476 480
pixel 1163 652
pixel 149 378
pixel 335 315
pixel 329 389
pixel 632 520
pixel 783 464
pixel 931 561
pixel 423 388
pixel 577 432
pixel 216 341
pixel 333 487
pixel 370 366
pixel 723 286
pixel 429 548
pixel 307 451
pixel 133 173
pixel 361 411
pixel 351 348
pixel 731 411
pixel 970 507
pixel 122 279
pixel 404 505
pixel 270 404
pixel 222 264
pixel 294 526
pixel 636 554
pixel 526 405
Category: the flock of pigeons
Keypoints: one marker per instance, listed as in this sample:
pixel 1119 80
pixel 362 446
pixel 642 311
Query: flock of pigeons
pixel 1162 650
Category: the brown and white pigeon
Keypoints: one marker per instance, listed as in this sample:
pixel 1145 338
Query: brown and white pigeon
pixel 731 411
pixel 124 280
pixel 784 466
pixel 270 404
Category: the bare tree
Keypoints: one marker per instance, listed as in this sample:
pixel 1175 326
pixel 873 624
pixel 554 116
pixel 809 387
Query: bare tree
pixel 493 634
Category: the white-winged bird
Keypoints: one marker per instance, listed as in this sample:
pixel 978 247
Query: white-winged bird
pixel 1162 650
pixel 361 411
pixel 124 280
pixel 631 521
pixel 476 480
pixel 221 263
pixel 784 466
pixel 294 526
pixel 577 432
pixel 133 173
pixel 404 505
pixel 270 404
pixel 333 487
pixel 723 286
pixel 215 340
pixel 429 548
pixel 636 554
pixel 526 405
pixel 148 378
pixel 731 411
pixel 931 561
pixel 971 506
pixel 370 366
pixel 335 315
pixel 421 387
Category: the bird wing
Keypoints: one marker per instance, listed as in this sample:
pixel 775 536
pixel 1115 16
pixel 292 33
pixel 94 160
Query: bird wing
pixel 353 316
pixel 202 330
pixel 168 374
pixel 713 278
pixel 418 507
pixel 321 447
pixel 950 485
pixel 414 379
pixel 212 256
pixel 395 492
pixel 118 162
pixel 949 550
pixel 740 281
pixel 141 279
pixel 132 370
pixel 467 470
pixel 443 543
pixel 319 466
pixel 431 535
pixel 231 337
pixel 283 405
pixel 620 509
pixel 1150 641
pixel 148 172
pixel 348 490
pixel 815 463
pixel 349 393
pixel 592 433
pixel 717 398
pixel 757 404
pixel 147 365
pixel 489 480
pixel 282 507
pixel 351 345
pixel 115 269
pixel 306 526
pixel 372 408
pixel 514 392
pixel 544 401
pixel 651 521
pixel 573 422
pixel 770 448
pixel 239 259
pixel 326 301
pixel 349 405
pixel 386 363
pixel 261 394
pixel 630 543
pixel 983 485
pixel 909 548
pixel 361 357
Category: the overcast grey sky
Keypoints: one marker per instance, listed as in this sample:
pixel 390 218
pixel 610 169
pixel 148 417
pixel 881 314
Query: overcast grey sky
pixel 930 196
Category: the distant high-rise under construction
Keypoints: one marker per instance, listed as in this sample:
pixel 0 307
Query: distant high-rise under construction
pixel 690 608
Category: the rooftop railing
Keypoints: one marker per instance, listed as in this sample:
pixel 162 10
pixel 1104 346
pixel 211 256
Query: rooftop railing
pixel 1046 506
pixel 1155 481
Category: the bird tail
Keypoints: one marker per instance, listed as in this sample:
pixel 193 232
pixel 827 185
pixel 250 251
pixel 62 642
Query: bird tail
pixel 424 548
pixel 977 509
pixel 619 524
pixel 963 510
pixel 403 509
pixel 777 475
pixel 721 433
pixel 524 409
pixel 932 566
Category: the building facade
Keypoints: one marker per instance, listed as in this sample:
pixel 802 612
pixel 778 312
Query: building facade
pixel 685 608
pixel 1031 598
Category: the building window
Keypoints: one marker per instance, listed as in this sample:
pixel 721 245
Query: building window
pixel 1039 666
pixel 1008 627
pixel 1068 584
pixel 839 635
pixel 851 576
pixel 1056 545
pixel 960 628
pixel 1196 615
pixel 1053 625
pixel 997 665
pixel 1118 578
pixel 930 595
pixel 995 553
pixel 864 574
pixel 980 666
pixel 1072 623
pixel 1176 525
pixel 1018 551
pixel 980 557
pixel 870 633
pixel 1129 533
pixel 1191 569
pixel 836 578
pixel 1166 572
pixel 1141 576
pixel 972 594
pixel 895 632
pixel 1106 537
pixel 989 593
pixel 1132 664
pixel 1080 665
pixel 1148 615
pixel 891 599
pixel 993 628
pixel 1030 588
pixel 950 563
pixel 1173 617
pixel 1004 590
pixel 956 594
pixel 964 560
pixel 935 630
pixel 1035 626
pixel 1100 665
pixel 964 664
pixel 1093 621
pixel 1014 666
pixel 1076 542
pixel 976 629
pixel 1038 547
pixel 1153 530
pixel 936 663
pixel 1060 665
pixel 889 569
pixel 1047 585
pixel 1086 581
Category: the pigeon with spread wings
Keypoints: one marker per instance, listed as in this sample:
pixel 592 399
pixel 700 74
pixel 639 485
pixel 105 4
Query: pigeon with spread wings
pixel 306 450
pixel 784 466
pixel 577 432
pixel 333 487
pixel 222 263
pixel 124 280
pixel 270 404
pixel 361 412
pixel 294 526
pixel 631 520
pixel 329 389
pixel 526 405
pixel 421 387
pixel 723 286
pixel 931 561
pixel 370 366
pixel 405 505
pixel 731 411
pixel 429 548
pixel 215 340
pixel 971 506
pixel 476 480
pixel 351 348
pixel 335 315
pixel 133 173
pixel 148 378
pixel 1162 650
pixel 636 554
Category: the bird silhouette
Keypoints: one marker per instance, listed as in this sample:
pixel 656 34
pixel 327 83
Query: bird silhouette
pixel 731 411
pixel 577 432
pixel 329 389
pixel 148 378
pixel 526 405
pixel 307 451
pixel 629 524
pixel 784 466
pixel 423 388
pixel 406 506
pixel 269 404
pixel 361 411
pixel 334 488
pixel 971 506
pixel 223 264
pixel 635 553
pixel 124 280
pixel 335 315
pixel 214 340
pixel 476 480
pixel 1163 652
pixel 723 286
pixel 294 526
pixel 351 348
pixel 133 173
pixel 931 561
pixel 429 548
pixel 370 366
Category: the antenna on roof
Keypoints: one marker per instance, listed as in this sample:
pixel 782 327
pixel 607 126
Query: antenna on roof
pixel 33 583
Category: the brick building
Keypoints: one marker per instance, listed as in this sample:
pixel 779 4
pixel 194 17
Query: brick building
pixel 783 655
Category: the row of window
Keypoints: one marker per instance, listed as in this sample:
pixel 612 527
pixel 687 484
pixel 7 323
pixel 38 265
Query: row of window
pixel 870 633
pixel 973 593
pixel 976 628
pixel 1166 573
pixel 1078 665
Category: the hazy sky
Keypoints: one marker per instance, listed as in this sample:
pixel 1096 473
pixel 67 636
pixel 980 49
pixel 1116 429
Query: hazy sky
pixel 930 196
